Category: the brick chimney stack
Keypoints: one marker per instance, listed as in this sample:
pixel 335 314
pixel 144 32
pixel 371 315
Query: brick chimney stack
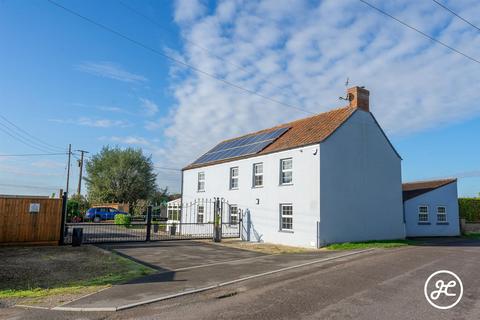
pixel 359 98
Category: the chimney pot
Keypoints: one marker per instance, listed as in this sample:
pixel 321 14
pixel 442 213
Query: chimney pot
pixel 359 98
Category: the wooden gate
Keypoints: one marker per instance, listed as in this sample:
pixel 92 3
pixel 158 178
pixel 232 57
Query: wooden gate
pixel 30 220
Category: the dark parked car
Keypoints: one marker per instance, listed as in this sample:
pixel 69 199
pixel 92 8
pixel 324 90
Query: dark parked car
pixel 102 213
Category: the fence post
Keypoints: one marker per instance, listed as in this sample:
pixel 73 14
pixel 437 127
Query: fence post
pixel 62 220
pixel 149 222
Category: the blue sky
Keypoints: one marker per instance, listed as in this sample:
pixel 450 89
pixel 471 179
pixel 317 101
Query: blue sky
pixel 66 81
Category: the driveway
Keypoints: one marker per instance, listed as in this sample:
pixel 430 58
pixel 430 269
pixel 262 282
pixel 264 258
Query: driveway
pixel 178 255
pixel 189 267
pixel 384 284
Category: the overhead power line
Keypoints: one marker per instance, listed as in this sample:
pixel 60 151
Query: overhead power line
pixel 456 14
pixel 33 154
pixel 31 137
pixel 195 44
pixel 29 186
pixel 180 62
pixel 146 17
pixel 19 139
pixel 421 32
pixel 166 168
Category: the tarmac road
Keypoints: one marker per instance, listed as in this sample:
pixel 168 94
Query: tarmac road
pixel 385 284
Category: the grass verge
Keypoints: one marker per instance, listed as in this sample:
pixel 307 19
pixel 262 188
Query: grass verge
pixel 472 235
pixel 72 272
pixel 370 244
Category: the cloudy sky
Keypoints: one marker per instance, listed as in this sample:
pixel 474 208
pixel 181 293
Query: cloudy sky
pixel 252 64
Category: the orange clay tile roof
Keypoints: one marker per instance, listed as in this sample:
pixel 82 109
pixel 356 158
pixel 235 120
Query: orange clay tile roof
pixel 414 189
pixel 302 132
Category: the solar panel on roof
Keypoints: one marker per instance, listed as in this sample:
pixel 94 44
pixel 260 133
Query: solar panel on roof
pixel 242 146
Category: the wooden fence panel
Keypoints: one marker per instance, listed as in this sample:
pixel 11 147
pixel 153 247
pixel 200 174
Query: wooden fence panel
pixel 19 226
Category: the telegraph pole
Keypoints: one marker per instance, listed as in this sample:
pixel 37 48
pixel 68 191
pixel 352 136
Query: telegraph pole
pixel 80 164
pixel 68 166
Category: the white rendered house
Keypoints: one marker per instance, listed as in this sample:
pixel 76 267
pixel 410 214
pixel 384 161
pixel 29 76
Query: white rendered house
pixel 431 208
pixel 332 177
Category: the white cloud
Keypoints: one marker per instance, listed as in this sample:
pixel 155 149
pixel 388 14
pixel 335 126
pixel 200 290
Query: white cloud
pixel 154 125
pixel 149 107
pixel 48 164
pixel 301 53
pixel 127 140
pixel 188 10
pixel 110 70
pixel 19 170
pixel 105 108
pixel 96 123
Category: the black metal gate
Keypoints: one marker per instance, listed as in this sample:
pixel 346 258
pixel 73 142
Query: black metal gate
pixel 196 219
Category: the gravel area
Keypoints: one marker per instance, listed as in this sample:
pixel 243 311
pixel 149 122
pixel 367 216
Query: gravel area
pixel 59 273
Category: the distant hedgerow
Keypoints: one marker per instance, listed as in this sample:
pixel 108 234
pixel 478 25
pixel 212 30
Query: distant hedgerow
pixel 469 208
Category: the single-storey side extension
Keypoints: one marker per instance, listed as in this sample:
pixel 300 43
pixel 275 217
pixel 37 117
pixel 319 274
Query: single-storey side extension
pixel 431 208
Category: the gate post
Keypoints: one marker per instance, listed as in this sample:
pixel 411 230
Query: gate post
pixel 240 223
pixel 149 222
pixel 221 218
pixel 217 220
pixel 249 224
pixel 61 241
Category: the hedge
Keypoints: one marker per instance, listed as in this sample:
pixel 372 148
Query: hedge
pixel 123 219
pixel 469 209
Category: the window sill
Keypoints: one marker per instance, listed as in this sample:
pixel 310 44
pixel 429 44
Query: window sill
pixel 285 184
pixel 424 223
pixel 233 189
pixel 443 223
pixel 257 187
pixel 200 191
pixel 285 231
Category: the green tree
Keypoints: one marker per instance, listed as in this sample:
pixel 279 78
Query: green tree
pixel 173 196
pixel 116 175
pixel 160 196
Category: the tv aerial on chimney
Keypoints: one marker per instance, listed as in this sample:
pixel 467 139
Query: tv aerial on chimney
pixel 347 97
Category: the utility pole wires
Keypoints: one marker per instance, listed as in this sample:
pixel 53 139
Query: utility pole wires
pixel 68 166
pixel 456 14
pixel 420 32
pixel 80 164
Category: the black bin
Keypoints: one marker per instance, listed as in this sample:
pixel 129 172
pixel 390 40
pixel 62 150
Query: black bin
pixel 77 237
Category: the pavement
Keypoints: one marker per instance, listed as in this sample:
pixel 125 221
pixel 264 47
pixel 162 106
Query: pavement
pixel 383 284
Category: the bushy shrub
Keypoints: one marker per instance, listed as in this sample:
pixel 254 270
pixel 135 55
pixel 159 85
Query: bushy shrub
pixel 123 219
pixel 469 209
pixel 76 207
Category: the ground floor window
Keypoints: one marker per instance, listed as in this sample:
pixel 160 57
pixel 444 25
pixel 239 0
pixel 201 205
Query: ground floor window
pixel 200 213
pixel 286 217
pixel 441 214
pixel 174 212
pixel 233 214
pixel 422 214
